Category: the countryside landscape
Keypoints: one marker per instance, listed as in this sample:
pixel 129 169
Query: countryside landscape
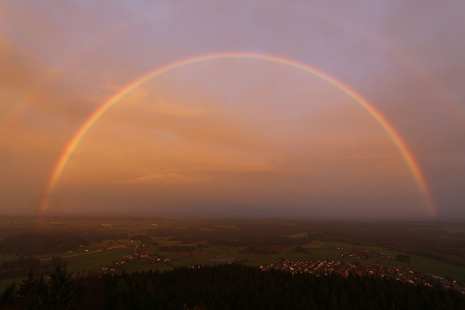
pixel 134 245
pixel 232 155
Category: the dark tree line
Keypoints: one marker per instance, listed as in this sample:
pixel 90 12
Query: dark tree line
pixel 22 266
pixel 403 258
pixel 419 238
pixel 36 244
pixel 53 242
pixel 224 287
pixel 59 292
pixel 247 235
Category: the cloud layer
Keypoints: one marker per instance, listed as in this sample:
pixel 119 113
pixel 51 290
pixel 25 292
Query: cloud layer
pixel 235 137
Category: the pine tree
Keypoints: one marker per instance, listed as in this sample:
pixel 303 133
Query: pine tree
pixel 9 295
pixel 61 290
pixel 333 305
pixel 32 292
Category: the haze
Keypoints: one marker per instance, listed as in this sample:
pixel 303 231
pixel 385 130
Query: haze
pixel 233 136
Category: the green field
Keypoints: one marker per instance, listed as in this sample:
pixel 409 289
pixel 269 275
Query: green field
pixel 318 251
pixel 95 258
pixel 95 261
pixel 7 258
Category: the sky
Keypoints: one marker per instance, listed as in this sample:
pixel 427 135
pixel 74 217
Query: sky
pixel 300 109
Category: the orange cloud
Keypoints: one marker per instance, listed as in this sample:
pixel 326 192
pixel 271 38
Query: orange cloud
pixel 165 178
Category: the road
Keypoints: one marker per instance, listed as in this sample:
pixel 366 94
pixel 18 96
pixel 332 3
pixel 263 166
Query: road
pixel 79 254
pixel 49 258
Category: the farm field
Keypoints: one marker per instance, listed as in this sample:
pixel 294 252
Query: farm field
pixel 197 242
pixel 318 251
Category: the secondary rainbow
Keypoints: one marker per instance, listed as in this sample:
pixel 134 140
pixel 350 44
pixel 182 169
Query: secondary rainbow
pixel 402 147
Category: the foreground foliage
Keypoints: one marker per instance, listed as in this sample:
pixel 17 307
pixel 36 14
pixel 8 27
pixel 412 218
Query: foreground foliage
pixel 224 287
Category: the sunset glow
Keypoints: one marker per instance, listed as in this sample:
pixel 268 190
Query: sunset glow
pixel 410 161
pixel 242 109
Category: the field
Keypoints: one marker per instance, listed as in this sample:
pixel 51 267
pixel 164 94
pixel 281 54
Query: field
pixel 251 242
pixel 318 251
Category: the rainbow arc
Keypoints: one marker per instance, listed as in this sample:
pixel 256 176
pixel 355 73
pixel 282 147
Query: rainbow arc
pixel 407 155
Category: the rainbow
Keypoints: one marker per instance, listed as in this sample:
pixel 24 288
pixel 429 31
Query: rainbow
pixel 402 147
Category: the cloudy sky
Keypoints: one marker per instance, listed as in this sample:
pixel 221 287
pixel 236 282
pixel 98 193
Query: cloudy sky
pixel 322 109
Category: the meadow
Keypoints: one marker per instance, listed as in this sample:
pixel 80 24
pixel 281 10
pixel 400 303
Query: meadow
pixel 250 242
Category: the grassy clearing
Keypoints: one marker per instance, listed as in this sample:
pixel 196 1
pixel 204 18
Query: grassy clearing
pixel 8 258
pixel 315 244
pixel 95 261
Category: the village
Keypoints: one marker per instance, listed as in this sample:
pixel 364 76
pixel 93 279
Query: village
pixel 398 273
pixel 150 258
pixel 363 253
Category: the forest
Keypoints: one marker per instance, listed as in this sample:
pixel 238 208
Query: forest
pixel 159 263
pixel 53 241
pixel 232 286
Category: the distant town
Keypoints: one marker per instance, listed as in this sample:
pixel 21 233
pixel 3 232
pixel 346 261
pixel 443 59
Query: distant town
pixel 151 259
pixel 324 267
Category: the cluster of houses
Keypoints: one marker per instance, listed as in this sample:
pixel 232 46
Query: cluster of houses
pixel 402 274
pixel 362 253
pixel 365 253
pixel 152 259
